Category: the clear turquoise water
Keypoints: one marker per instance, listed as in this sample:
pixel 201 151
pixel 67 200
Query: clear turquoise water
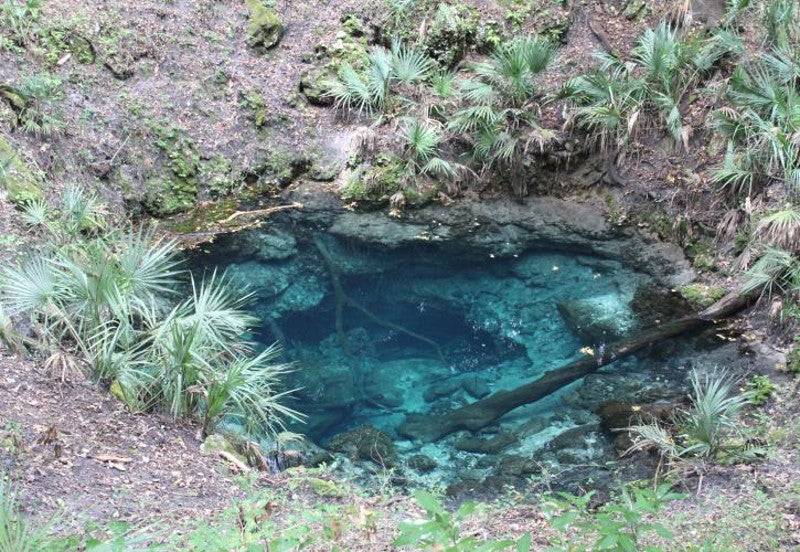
pixel 480 324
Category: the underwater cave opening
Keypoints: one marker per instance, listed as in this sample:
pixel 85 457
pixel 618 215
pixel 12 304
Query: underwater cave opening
pixel 378 332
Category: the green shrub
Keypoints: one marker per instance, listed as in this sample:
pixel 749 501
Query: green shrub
pixel 760 388
pixel 441 530
pixel 105 298
pixel 617 525
pixel 709 430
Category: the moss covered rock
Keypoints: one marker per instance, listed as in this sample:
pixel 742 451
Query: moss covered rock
pixel 22 185
pixel 702 295
pixel 313 85
pixel 366 443
pixel 264 29
pixel 216 443
pixel 169 196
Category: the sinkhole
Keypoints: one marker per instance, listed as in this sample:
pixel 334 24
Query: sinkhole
pixel 378 333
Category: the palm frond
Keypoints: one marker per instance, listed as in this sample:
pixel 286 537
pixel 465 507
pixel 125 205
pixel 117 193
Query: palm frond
pixel 148 266
pixel 32 287
pixel 436 166
pixel 36 213
pixel 443 84
pixel 422 139
pixel 773 270
pixel 250 389
pixel 780 229
pixel 409 65
pixel 349 91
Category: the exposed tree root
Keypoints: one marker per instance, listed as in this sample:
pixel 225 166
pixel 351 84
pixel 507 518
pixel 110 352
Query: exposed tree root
pixel 342 300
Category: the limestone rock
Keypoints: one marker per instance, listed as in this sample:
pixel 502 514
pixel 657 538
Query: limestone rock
pixel 16 177
pixel 216 443
pixel 619 414
pixel 365 443
pixel 264 29
pixel 486 446
pixel 312 86
pixel 602 319
pixel 421 463
pixel 476 387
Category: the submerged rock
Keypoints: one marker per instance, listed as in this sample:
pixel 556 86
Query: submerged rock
pixel 366 443
pixel 492 445
pixel 476 387
pixel 602 319
pixel 421 463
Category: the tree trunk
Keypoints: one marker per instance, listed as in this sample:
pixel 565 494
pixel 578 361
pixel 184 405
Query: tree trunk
pixel 482 413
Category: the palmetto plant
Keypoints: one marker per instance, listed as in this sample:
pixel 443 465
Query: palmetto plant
pixel 780 21
pixel 39 113
pixel 16 533
pixel 619 97
pixel 762 125
pixel 370 89
pixel 713 416
pixel 498 113
pixel 102 298
pixel 423 138
pixel 708 430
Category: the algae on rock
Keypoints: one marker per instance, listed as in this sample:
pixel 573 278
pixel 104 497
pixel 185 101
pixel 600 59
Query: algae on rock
pixel 21 183
pixel 264 28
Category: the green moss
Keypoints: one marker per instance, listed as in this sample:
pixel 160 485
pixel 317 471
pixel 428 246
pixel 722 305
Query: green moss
pixel 701 294
pixel 420 195
pixel 793 358
pixel 702 253
pixel 216 176
pixel 264 29
pixel 168 196
pixel 376 183
pixel 452 32
pixel 216 443
pixel 175 192
pixel 353 25
pixel 204 217
pixel 22 185
pixel 280 167
pixel 323 487
pixel 257 105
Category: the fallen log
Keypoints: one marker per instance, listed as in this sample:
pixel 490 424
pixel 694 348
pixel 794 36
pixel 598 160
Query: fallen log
pixel 477 415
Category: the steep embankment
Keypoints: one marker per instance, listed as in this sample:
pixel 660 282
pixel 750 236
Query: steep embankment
pixel 166 106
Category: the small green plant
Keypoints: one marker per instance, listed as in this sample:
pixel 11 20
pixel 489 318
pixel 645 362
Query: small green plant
pixel 18 23
pixel 16 533
pixel 618 525
pixel 760 388
pixel 36 103
pixel 441 530
pixel 709 430
pixel 793 358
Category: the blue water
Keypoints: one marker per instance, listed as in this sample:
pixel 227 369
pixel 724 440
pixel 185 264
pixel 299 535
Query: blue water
pixel 423 328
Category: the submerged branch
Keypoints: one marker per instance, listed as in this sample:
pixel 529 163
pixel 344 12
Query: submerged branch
pixel 484 412
pixel 342 300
